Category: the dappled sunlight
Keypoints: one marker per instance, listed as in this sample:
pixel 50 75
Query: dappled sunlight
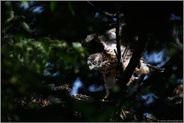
pixel 45 75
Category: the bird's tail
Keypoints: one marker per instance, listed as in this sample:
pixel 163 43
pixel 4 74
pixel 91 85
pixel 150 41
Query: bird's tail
pixel 156 69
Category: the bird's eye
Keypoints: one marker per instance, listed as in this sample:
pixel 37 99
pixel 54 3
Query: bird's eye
pixel 94 62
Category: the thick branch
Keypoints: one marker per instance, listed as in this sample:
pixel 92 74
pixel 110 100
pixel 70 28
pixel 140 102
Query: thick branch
pixel 134 61
pixel 118 40
pixel 118 43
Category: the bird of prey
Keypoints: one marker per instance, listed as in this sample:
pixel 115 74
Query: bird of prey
pixel 105 59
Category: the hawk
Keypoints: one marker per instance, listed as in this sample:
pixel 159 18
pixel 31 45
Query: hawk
pixel 105 59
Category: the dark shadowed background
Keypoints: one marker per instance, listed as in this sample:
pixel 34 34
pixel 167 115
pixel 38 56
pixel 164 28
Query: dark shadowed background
pixel 43 61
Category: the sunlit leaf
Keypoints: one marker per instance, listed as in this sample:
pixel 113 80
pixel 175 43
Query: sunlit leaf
pixel 26 3
pixel 26 27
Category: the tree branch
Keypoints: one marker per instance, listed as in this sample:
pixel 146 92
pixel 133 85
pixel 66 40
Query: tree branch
pixel 118 41
pixel 134 61
pixel 118 24
pixel 103 12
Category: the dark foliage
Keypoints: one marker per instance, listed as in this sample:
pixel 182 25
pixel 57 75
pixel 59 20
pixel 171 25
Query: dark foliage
pixel 42 55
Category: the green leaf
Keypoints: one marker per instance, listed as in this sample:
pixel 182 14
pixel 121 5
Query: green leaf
pixel 71 8
pixel 26 3
pixel 52 6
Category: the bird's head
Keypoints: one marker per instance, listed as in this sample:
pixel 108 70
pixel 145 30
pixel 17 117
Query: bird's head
pixel 95 61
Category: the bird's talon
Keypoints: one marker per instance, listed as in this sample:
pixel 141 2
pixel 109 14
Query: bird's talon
pixel 102 100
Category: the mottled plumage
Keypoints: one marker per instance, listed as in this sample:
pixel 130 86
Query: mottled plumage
pixel 106 61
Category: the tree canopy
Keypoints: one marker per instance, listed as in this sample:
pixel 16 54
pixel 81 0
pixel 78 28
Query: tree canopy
pixel 43 57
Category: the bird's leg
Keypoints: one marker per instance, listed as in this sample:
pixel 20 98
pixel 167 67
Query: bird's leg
pixel 107 94
pixel 109 81
pixel 132 79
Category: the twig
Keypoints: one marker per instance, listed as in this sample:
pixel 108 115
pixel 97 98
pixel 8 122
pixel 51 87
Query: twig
pixel 112 25
pixel 103 12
